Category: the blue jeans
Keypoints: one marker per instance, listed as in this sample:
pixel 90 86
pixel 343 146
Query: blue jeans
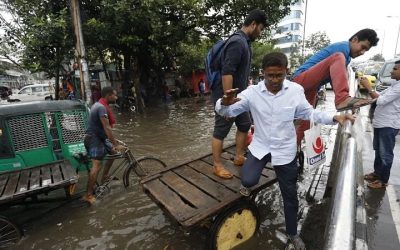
pixel 384 142
pixel 287 179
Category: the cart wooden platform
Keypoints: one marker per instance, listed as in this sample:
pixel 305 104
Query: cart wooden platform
pixel 19 184
pixel 192 195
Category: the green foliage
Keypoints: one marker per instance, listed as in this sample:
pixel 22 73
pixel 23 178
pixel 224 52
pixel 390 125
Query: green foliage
pixel 43 30
pixel 260 49
pixel 192 56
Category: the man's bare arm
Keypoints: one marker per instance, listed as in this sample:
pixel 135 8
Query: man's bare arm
pixel 227 82
pixel 108 131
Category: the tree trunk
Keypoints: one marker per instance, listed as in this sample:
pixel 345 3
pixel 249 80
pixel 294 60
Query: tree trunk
pixel 136 73
pixel 57 86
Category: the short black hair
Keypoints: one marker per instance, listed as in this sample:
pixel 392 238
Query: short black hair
pixel 397 62
pixel 107 91
pixel 366 34
pixel 277 59
pixel 256 15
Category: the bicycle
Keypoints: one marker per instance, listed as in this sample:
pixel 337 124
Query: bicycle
pixel 133 167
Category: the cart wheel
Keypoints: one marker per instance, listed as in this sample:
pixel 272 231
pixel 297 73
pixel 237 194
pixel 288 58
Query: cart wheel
pixel 234 226
pixel 145 166
pixel 10 234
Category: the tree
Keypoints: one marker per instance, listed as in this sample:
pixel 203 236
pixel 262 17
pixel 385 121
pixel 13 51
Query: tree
pixel 317 41
pixel 260 49
pixel 144 37
pixel 43 30
pixel 314 43
pixel 378 58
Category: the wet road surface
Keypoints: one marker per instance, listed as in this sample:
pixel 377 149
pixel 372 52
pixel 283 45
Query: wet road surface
pixel 128 219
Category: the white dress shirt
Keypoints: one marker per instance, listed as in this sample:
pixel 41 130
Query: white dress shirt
pixel 387 112
pixel 273 116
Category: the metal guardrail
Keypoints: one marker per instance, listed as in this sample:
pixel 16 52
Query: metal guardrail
pixel 342 187
pixel 340 231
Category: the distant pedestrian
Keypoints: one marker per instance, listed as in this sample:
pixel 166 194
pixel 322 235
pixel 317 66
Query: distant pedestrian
pixel 202 87
pixel 386 123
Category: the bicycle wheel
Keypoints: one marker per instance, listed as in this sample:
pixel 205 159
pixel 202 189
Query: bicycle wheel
pixel 10 234
pixel 145 166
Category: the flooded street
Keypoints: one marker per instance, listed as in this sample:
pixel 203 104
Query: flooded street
pixel 128 219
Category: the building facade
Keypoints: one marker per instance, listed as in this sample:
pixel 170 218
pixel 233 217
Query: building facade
pixel 290 29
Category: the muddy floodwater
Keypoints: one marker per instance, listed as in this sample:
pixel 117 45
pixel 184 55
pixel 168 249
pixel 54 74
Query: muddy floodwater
pixel 127 218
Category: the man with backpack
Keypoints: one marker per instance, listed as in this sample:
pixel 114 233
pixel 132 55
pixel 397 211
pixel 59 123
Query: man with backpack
pixel 233 65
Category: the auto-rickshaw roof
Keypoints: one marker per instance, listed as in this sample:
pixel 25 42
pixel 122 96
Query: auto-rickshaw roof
pixel 23 108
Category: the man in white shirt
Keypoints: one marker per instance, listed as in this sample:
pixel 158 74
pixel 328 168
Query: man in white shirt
pixel 274 104
pixel 386 123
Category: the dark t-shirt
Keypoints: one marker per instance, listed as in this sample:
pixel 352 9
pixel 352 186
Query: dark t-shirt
pixel 95 127
pixel 236 62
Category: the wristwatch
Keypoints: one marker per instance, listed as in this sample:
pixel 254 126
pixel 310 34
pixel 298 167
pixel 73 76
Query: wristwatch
pixel 371 91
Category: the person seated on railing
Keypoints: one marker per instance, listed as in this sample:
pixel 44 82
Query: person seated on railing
pixel 99 139
pixel 274 104
pixel 329 65
pixel 386 123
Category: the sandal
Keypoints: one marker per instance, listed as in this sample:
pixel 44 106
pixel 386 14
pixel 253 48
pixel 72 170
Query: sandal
pixel 244 191
pixel 377 185
pixel 371 177
pixel 222 173
pixel 355 103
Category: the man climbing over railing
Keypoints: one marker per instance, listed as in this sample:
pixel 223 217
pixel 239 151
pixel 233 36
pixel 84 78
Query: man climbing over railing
pixel 329 65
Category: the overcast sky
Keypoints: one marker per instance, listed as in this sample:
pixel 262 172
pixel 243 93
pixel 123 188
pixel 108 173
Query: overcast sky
pixel 340 19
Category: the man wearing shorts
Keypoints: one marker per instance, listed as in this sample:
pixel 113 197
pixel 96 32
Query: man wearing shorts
pixel 235 70
pixel 99 140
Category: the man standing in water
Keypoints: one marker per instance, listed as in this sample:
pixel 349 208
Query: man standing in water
pixel 235 69
pixel 99 139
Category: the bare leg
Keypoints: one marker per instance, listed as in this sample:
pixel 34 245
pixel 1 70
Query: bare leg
pixel 106 170
pixel 217 151
pixel 240 146
pixel 94 172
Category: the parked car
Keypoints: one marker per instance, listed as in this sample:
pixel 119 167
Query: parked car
pixel 35 92
pixel 384 80
pixel 5 92
pixel 370 72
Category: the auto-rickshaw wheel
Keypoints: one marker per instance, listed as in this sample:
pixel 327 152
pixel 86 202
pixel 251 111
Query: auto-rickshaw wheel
pixel 234 226
pixel 145 166
pixel 10 234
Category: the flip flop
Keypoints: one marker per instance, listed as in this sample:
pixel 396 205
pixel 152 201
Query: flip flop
pixel 352 104
pixel 222 173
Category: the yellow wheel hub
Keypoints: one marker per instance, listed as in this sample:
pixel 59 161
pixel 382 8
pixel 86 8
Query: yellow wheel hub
pixel 236 229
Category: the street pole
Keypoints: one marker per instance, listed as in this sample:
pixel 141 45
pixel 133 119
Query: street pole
pixel 80 50
pixel 398 33
pixel 397 41
pixel 304 32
